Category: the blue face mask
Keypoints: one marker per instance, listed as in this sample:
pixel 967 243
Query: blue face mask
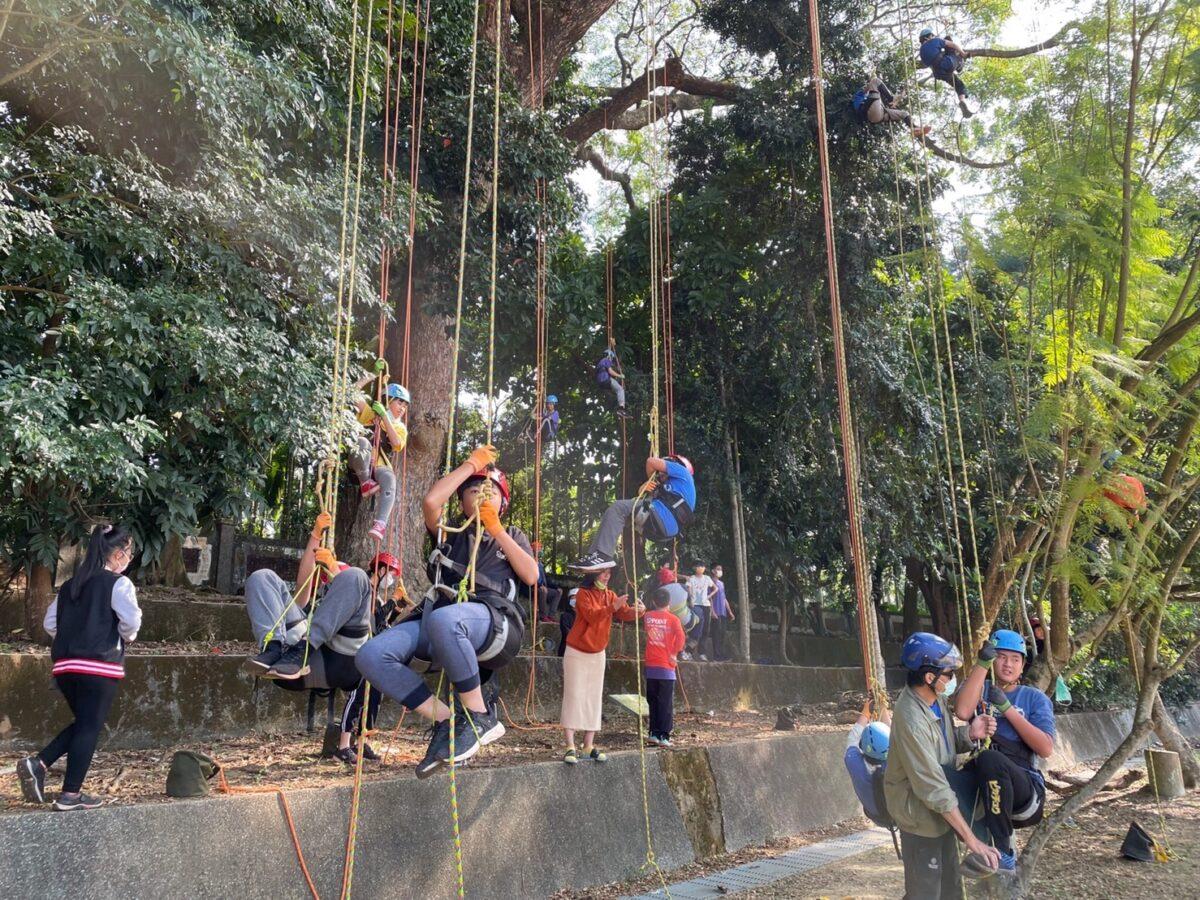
pixel 951 687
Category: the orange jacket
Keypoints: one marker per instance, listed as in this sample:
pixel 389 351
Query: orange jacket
pixel 593 619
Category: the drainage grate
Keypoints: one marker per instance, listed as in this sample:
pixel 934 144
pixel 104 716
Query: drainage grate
pixel 767 871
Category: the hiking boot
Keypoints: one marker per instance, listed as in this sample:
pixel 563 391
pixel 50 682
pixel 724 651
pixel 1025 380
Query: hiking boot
pixel 292 664
pixel 378 530
pixel 31 772
pixel 368 488
pixel 69 802
pixel 346 755
pixel 593 562
pixel 258 665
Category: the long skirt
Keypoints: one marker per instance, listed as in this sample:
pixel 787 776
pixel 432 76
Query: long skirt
pixel 583 689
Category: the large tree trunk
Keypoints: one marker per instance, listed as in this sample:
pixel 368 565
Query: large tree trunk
pixel 912 609
pixel 39 592
pixel 1168 732
pixel 169 570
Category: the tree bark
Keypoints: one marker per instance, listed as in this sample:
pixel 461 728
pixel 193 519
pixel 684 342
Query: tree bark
pixel 1168 732
pixel 912 612
pixel 39 592
pixel 169 570
pixel 998 53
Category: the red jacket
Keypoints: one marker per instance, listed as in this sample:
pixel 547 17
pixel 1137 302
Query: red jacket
pixel 664 639
pixel 593 619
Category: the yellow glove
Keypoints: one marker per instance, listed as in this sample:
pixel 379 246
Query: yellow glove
pixel 322 524
pixel 325 558
pixel 490 518
pixel 482 457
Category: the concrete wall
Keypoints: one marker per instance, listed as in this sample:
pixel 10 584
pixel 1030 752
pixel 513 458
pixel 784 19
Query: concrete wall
pixel 528 831
pixel 168 699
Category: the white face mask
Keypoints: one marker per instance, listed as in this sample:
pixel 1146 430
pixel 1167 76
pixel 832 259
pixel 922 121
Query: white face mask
pixel 386 582
pixel 951 686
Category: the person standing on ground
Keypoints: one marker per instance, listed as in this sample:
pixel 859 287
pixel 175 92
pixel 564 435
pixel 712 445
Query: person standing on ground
pixel 584 658
pixel 1014 790
pixel 722 615
pixel 918 794
pixel 701 590
pixel 664 641
pixel 93 618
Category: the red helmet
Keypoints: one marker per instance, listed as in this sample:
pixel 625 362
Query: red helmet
pixel 683 461
pixel 386 559
pixel 497 477
pixel 666 576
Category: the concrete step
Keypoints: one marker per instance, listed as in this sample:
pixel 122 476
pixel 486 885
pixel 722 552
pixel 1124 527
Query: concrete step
pixel 169 698
pixel 700 802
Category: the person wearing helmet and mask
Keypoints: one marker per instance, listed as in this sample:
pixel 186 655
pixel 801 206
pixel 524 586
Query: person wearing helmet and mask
pixel 302 652
pixel 609 374
pixel 945 59
pixel 467 639
pixel 361 710
pixel 550 419
pixel 1014 791
pixel 916 789
pixel 372 466
pixel 664 507
pixel 866 762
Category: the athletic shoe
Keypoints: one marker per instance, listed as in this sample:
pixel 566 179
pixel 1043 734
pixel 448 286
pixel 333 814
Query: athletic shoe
pixel 570 757
pixel 65 803
pixel 654 740
pixel 258 665
pixel 438 750
pixel 346 755
pixel 369 753
pixel 1008 862
pixel 293 664
pixel 378 530
pixel 703 658
pixel 593 562
pixel 975 866
pixel 966 110
pixel 598 755
pixel 369 487
pixel 622 413
pixel 31 772
pixel 546 620
pixel 488 727
pixel 920 132
pixel 665 742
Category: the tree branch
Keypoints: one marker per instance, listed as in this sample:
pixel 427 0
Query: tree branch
pixel 591 155
pixel 1048 44
pixel 963 160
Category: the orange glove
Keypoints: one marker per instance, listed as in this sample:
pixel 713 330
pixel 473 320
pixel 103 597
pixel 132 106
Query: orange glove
pixel 324 557
pixel 322 524
pixel 649 487
pixel 490 518
pixel 482 457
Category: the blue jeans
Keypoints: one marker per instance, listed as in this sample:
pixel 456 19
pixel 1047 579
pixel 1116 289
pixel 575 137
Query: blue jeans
pixel 450 637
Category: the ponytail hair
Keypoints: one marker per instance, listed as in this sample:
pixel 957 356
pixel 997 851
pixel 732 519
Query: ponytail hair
pixel 105 540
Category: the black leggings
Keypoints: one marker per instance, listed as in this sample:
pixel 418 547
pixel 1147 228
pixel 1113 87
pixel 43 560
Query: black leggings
pixel 352 713
pixel 90 698
pixel 1004 787
pixel 660 697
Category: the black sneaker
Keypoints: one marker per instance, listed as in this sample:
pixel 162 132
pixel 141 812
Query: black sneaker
pixel 258 665
pixel 78 801
pixel 369 753
pixel 438 751
pixel 593 562
pixel 346 755
pixel 31 772
pixel 292 664
pixel 487 726
pixel 964 108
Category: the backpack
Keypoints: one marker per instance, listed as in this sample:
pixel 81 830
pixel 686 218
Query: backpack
pixel 861 104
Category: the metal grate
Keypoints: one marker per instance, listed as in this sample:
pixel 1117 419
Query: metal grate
pixel 767 871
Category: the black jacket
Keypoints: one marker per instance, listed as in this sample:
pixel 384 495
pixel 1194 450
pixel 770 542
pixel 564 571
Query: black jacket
pixel 87 624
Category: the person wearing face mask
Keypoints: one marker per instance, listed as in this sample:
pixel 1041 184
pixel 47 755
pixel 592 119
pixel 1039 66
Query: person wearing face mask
pixel 1014 791
pixel 93 617
pixel 470 623
pixel 917 791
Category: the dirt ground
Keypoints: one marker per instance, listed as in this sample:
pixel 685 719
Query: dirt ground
pixel 292 760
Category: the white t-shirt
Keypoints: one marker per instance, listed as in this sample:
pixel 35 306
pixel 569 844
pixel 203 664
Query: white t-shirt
pixel 699 587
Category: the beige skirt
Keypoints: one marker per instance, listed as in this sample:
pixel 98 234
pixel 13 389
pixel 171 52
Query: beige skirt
pixel 583 689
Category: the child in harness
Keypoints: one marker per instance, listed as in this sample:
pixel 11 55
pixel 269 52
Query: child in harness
pixel 466 630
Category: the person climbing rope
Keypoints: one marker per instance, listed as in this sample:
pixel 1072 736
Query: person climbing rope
pixel 372 467
pixel 361 710
pixel 875 103
pixel 467 639
pixel 1014 790
pixel 866 762
pixel 92 619
pixel 550 419
pixel 665 640
pixel 608 373
pixel 664 507
pixel 945 59
pixel 916 790
pixel 311 650
pixel 583 662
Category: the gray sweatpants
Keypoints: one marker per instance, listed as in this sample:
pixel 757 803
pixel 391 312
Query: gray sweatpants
pixel 614 521
pixel 346 599
pixel 619 390
pixel 360 462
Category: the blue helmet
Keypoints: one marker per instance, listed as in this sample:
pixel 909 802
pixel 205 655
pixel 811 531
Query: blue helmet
pixel 1004 639
pixel 610 353
pixel 923 650
pixel 1110 458
pixel 926 34
pixel 552 398
pixel 874 742
pixel 398 392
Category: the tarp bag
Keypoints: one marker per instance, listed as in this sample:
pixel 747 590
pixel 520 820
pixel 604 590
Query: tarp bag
pixel 190 773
